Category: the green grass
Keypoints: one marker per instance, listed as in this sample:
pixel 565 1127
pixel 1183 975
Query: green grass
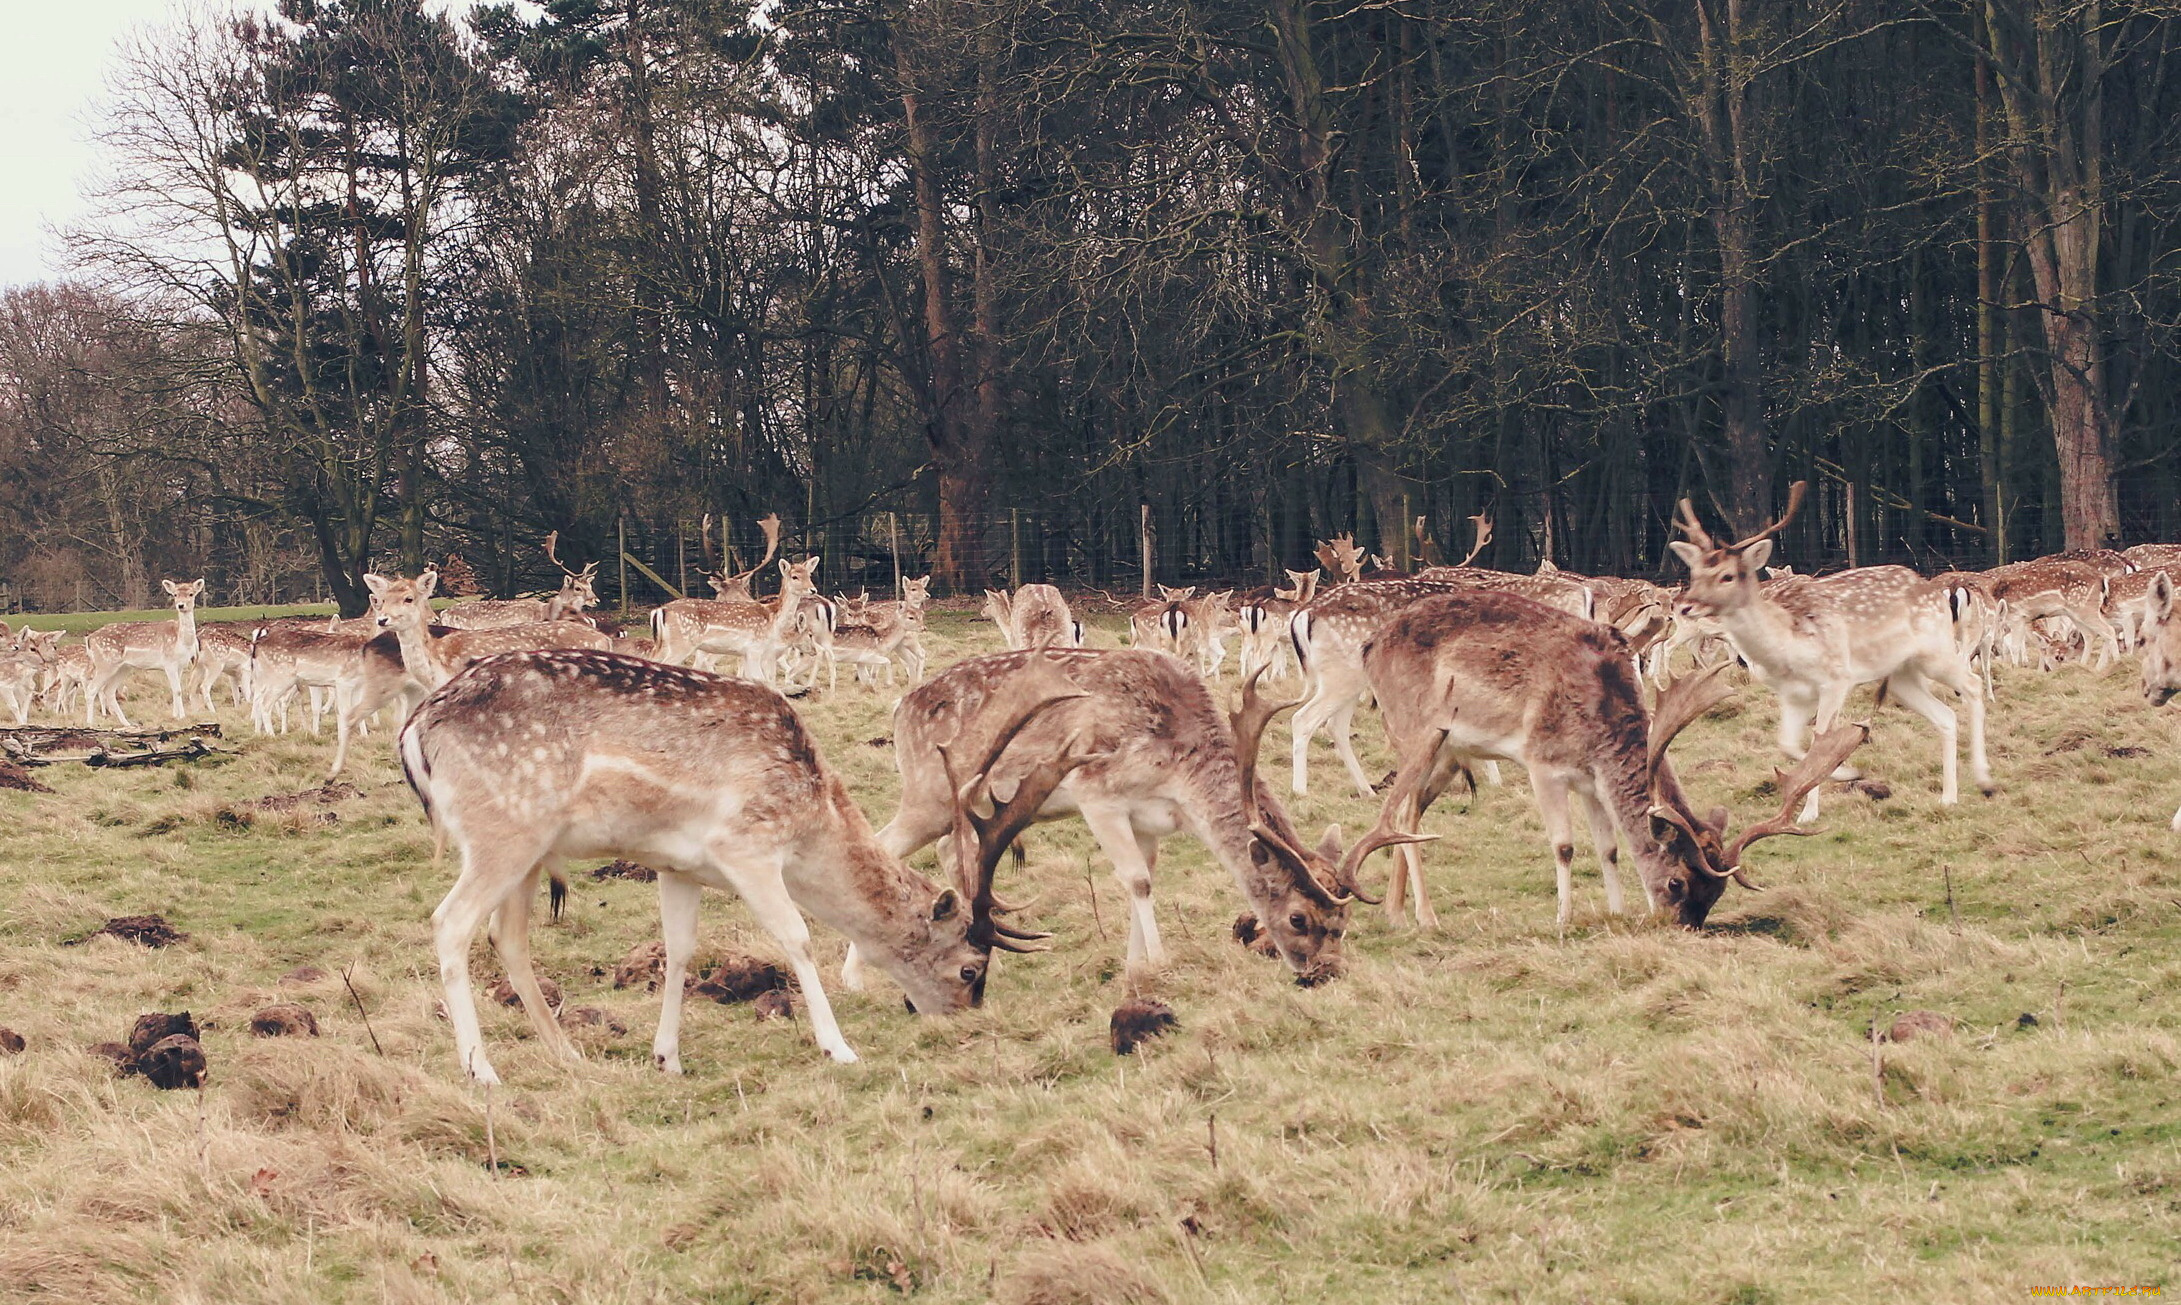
pixel 1630 1112
pixel 84 622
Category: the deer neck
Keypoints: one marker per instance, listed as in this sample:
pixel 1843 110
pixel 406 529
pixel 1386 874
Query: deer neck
pixel 185 634
pixel 864 893
pixel 1763 630
pixel 422 655
pixel 1215 813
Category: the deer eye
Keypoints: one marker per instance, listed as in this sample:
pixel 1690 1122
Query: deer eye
pixel 1298 922
pixel 969 974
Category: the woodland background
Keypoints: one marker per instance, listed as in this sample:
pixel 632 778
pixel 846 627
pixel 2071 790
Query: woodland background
pixel 974 281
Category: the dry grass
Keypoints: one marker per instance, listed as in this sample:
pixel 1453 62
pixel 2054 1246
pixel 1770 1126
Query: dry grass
pixel 1630 1112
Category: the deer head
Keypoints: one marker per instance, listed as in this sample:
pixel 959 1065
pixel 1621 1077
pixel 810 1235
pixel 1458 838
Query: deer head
pixel 184 596
pixel 1341 557
pixel 576 590
pixel 1687 860
pixel 1725 577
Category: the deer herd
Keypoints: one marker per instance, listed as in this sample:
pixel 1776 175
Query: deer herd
pixel 536 732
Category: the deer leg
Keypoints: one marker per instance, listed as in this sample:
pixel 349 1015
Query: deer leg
pixel 1831 698
pixel 1342 727
pixel 174 690
pixel 1552 804
pixel 106 690
pixel 678 898
pixel 1962 679
pixel 1309 718
pixel 1125 849
pixel 766 894
pixel 1604 838
pixel 1911 691
pixel 510 933
pixel 488 876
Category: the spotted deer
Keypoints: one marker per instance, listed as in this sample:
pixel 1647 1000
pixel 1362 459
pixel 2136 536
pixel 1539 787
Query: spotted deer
pixel 1328 634
pixel 124 647
pixel 757 632
pixel 1162 623
pixel 1814 640
pixel 578 593
pixel 223 653
pixel 24 668
pixel 2161 650
pixel 2047 588
pixel 1263 617
pixel 1162 759
pixel 1467 676
pixel 404 608
pixel 734 587
pixel 1211 618
pixel 533 758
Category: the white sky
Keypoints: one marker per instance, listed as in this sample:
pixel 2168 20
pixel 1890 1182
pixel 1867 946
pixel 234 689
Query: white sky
pixel 52 70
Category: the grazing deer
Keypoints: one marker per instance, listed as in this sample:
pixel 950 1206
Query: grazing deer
pixel 2161 650
pixel 1812 640
pixel 2152 555
pixel 127 646
pixel 1163 759
pixel 756 631
pixel 1473 675
pixel 2127 602
pixel 2048 588
pixel 1035 616
pixel 529 759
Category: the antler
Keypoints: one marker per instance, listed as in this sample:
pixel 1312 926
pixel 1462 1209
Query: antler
pixel 770 524
pixel 1484 536
pixel 552 542
pixel 1679 703
pixel 1825 755
pixel 1415 770
pixel 1794 505
pixel 1341 556
pixel 980 841
pixel 1249 721
pixel 1685 521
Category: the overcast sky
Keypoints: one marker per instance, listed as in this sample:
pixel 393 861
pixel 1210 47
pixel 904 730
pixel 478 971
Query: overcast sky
pixel 52 70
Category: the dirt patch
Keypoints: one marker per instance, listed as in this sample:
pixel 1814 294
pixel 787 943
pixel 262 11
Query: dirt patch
pixel 13 776
pixel 629 870
pixel 743 978
pixel 284 1020
pixel 143 930
pixel 154 1028
pixel 1137 1022
pixel 176 1062
pixel 324 795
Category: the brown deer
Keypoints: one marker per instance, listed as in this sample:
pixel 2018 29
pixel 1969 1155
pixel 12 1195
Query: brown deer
pixel 404 607
pixel 1163 760
pixel 532 758
pixel 1469 676
pixel 1813 639
pixel 1035 616
pixel 1263 616
pixel 124 647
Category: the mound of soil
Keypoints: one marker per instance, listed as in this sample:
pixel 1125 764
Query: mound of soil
pixel 11 1042
pixel 150 1030
pixel 1921 1024
pixel 176 1062
pixel 284 1020
pixel 505 993
pixel 15 777
pixel 325 795
pixel 1251 934
pixel 773 1006
pixel 642 874
pixel 644 964
pixel 144 930
pixel 1138 1021
pixel 743 978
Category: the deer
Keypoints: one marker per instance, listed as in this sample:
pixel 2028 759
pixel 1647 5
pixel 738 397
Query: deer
pixel 124 647
pixel 1328 634
pixel 1161 624
pixel 2047 588
pixel 1263 616
pixel 359 673
pixel 735 587
pixel 1466 676
pixel 1814 639
pixel 1034 616
pixel 25 666
pixel 2152 555
pixel 2161 650
pixel 875 637
pixel 1211 618
pixel 577 593
pixel 758 631
pixel 1162 759
pixel 223 652
pixel 403 607
pixel 529 759
pixel 2127 602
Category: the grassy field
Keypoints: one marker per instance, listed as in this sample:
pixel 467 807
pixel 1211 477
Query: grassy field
pixel 83 622
pixel 1493 1112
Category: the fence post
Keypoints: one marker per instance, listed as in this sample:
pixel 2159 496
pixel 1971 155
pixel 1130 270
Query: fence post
pixel 621 528
pixel 1854 549
pixel 681 556
pixel 1014 546
pixel 893 540
pixel 1143 539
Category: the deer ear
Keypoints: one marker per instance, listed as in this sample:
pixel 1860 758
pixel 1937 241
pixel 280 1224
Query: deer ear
pixel 1687 552
pixel 946 906
pixel 170 587
pixel 2161 597
pixel 426 583
pixel 1329 843
pixel 375 582
pixel 1757 554
pixel 1717 818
